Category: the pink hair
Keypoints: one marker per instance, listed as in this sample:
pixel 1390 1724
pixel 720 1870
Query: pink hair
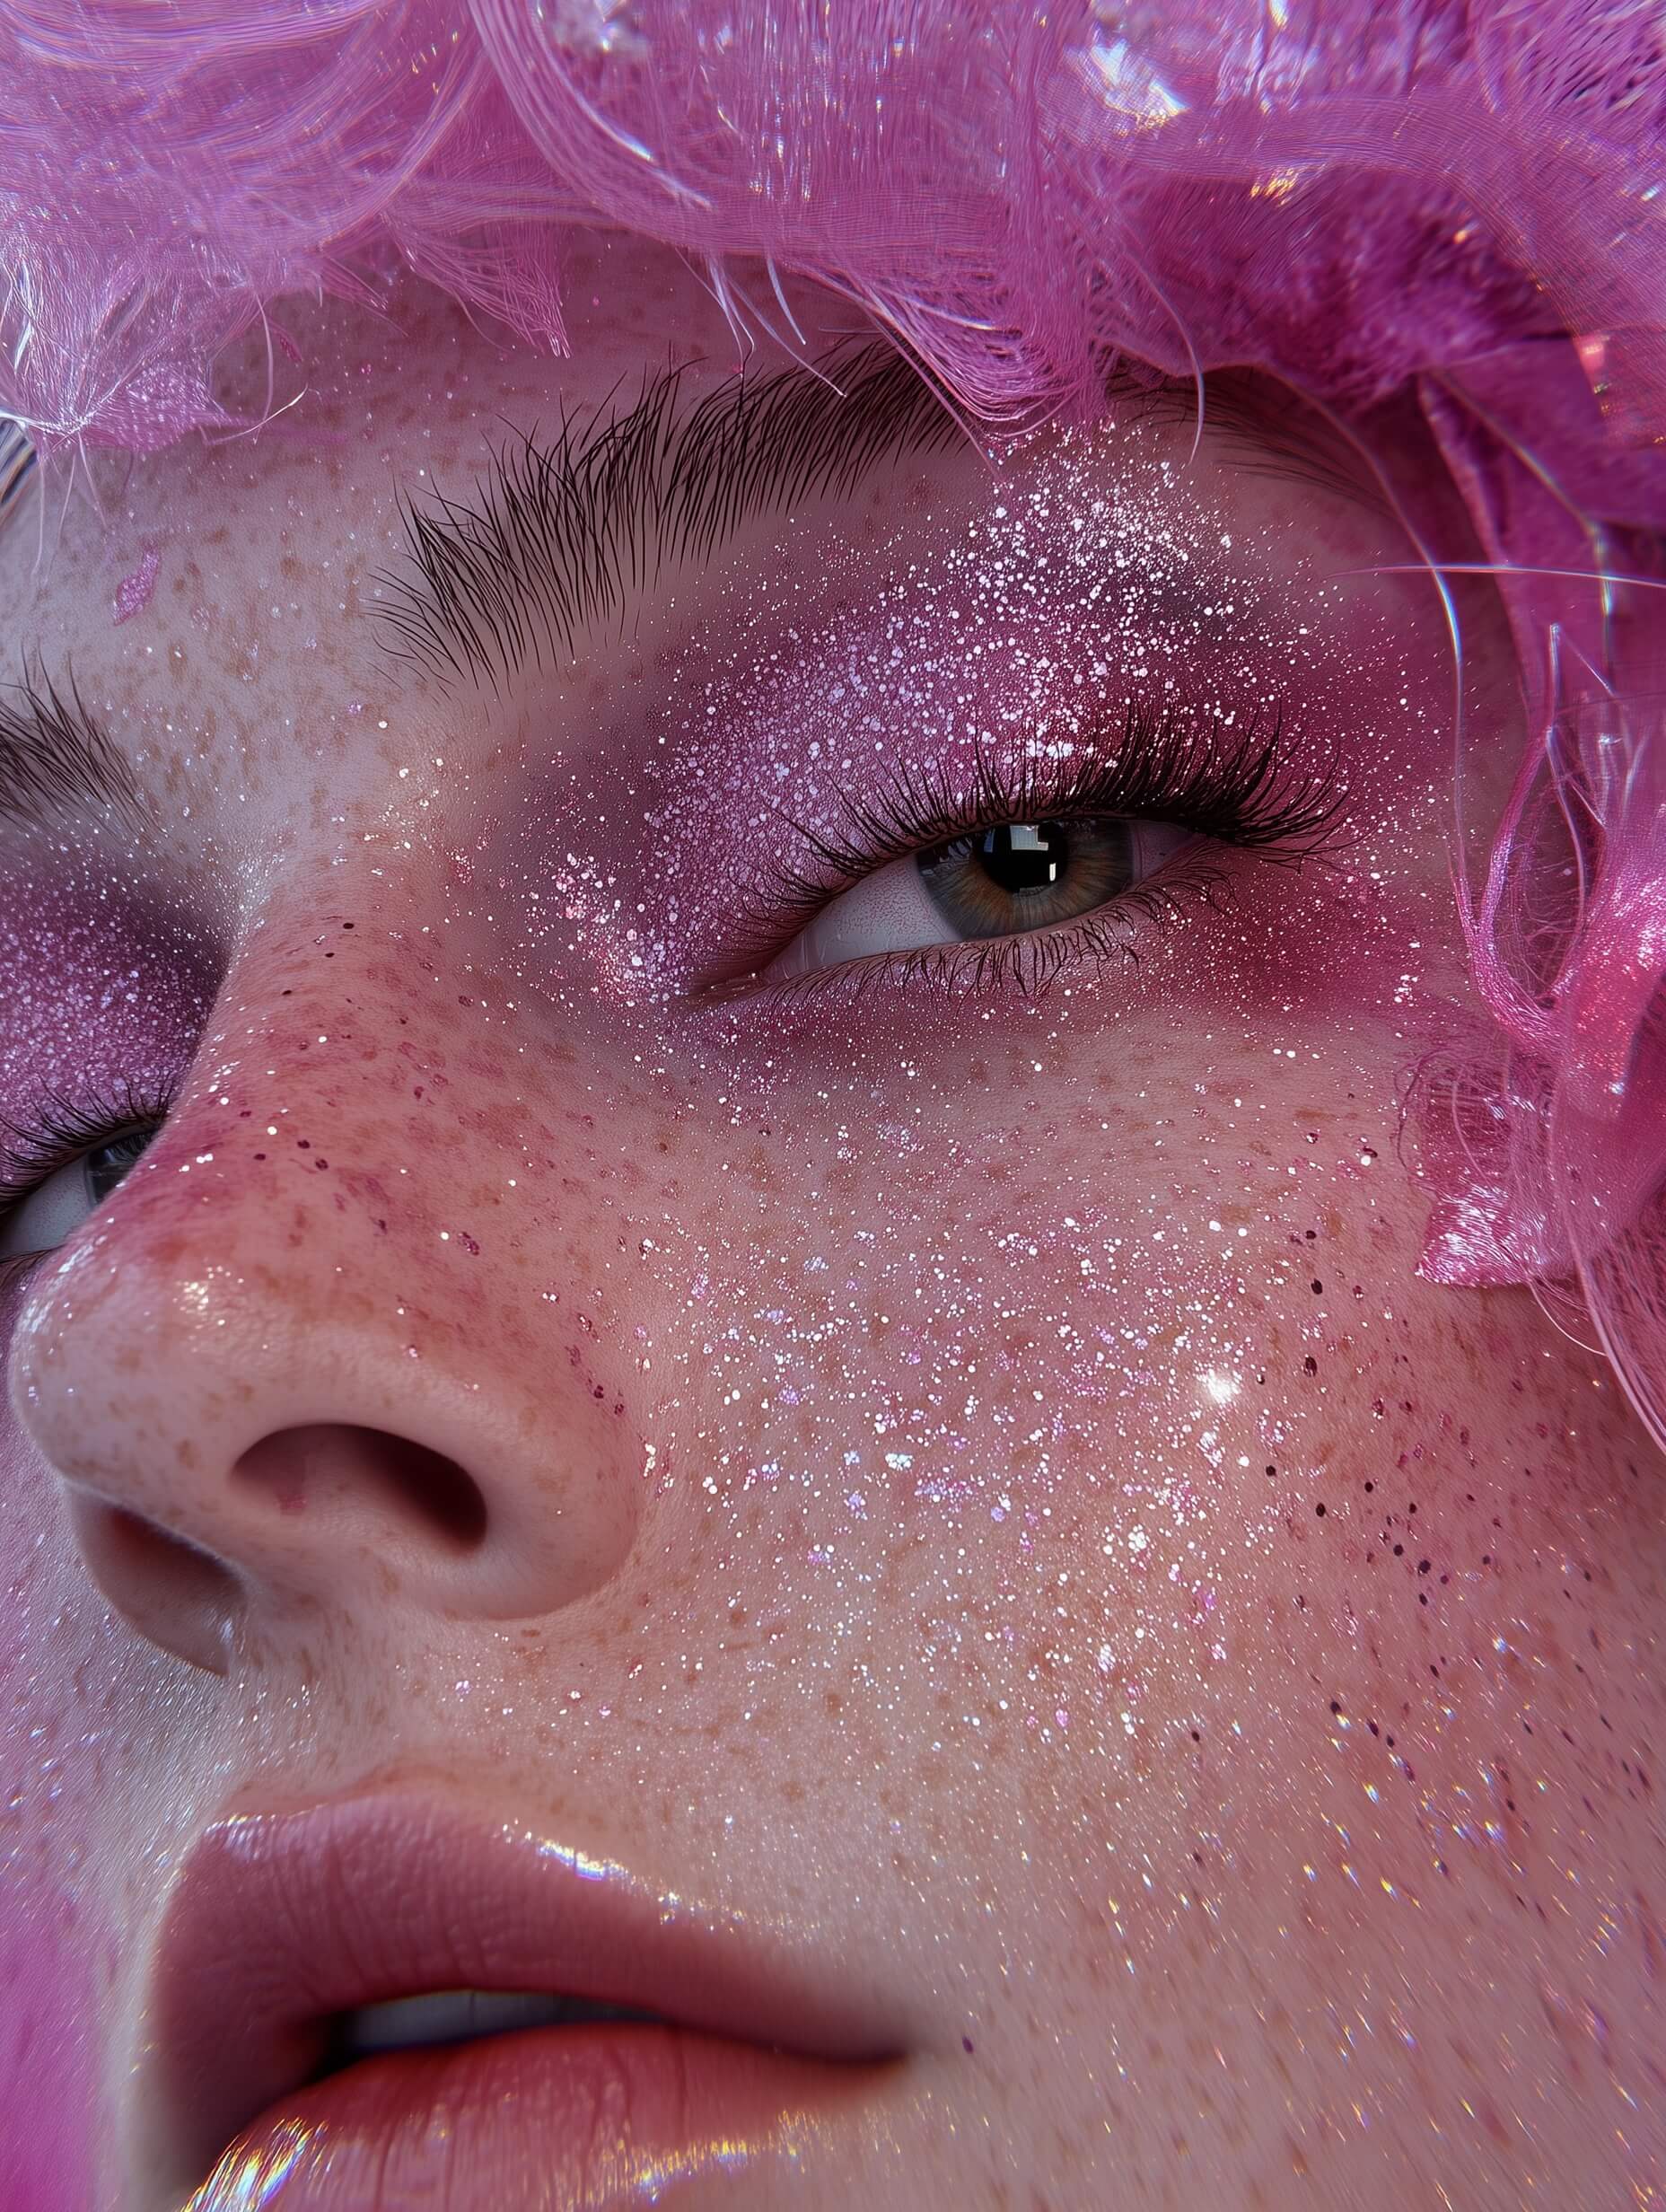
pixel 1461 200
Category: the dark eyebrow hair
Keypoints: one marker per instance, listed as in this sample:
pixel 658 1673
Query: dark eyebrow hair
pixel 57 758
pixel 559 535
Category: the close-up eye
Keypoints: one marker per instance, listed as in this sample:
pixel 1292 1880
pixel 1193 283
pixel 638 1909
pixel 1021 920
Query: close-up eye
pixel 1007 880
pixel 1034 860
pixel 52 1194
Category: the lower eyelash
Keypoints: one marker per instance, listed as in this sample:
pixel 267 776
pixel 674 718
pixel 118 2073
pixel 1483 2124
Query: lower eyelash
pixel 1029 963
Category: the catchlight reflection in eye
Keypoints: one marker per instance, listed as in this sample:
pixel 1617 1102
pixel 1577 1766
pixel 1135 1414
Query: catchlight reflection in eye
pixel 995 881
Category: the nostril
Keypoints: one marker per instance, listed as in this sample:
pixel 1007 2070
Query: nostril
pixel 180 1598
pixel 342 1469
pixel 193 1578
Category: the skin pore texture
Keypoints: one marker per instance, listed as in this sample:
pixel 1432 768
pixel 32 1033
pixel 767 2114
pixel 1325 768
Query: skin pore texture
pixel 960 1475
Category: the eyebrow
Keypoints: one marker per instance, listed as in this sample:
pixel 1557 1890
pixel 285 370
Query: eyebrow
pixel 559 535
pixel 56 759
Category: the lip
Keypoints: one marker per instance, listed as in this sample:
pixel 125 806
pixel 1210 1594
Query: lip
pixel 280 1921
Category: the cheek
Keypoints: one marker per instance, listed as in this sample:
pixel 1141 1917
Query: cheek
pixel 1097 1417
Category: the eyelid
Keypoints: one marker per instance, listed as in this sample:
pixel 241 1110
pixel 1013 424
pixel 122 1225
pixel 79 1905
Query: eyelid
pixel 1237 778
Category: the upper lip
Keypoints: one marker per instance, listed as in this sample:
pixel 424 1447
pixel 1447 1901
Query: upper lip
pixel 279 1921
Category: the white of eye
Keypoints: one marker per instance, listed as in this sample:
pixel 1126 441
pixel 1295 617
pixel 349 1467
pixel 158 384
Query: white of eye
pixel 61 1201
pixel 52 1211
pixel 892 911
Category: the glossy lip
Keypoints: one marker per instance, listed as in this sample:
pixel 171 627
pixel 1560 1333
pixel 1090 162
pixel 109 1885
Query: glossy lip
pixel 279 1921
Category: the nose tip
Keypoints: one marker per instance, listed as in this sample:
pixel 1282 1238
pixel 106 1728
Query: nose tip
pixel 272 1391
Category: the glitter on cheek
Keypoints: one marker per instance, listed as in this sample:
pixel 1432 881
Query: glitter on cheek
pixel 990 1323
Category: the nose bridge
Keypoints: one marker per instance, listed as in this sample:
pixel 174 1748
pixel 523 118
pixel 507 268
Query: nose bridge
pixel 301 1341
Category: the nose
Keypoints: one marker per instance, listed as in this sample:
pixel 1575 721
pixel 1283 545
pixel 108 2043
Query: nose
pixel 274 1377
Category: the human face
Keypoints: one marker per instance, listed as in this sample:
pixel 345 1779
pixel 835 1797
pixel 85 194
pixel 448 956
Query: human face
pixel 640 1427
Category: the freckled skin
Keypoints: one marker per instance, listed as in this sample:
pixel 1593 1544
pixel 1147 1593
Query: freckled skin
pixel 976 1483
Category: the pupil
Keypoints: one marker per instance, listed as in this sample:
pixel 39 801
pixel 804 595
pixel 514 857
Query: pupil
pixel 1024 855
pixel 105 1168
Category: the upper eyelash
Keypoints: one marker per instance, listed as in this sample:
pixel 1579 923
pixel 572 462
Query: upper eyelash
pixel 1233 786
pixel 63 1130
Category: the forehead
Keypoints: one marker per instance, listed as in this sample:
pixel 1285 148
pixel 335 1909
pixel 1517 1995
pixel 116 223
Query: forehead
pixel 211 604
pixel 343 407
pixel 206 601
